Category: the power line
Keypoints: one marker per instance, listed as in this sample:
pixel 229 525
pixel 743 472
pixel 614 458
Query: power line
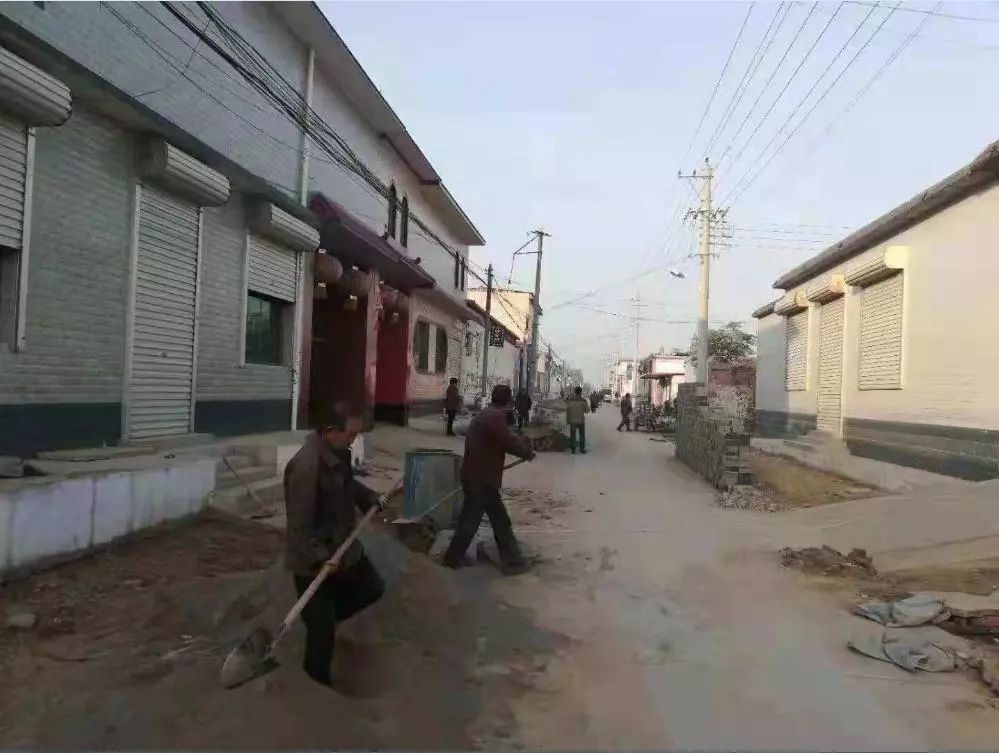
pixel 794 75
pixel 737 192
pixel 907 9
pixel 748 74
pixel 766 85
pixel 714 92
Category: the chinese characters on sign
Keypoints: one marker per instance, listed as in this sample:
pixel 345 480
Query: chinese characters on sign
pixel 496 337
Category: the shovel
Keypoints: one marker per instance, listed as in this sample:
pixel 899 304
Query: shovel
pixel 255 655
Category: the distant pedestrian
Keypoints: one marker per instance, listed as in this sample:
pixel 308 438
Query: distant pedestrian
pixel 625 412
pixel 523 406
pixel 594 401
pixel 452 404
pixel 575 415
pixel 486 445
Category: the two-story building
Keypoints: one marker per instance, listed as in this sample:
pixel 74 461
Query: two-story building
pixel 505 355
pixel 211 221
pixel 877 341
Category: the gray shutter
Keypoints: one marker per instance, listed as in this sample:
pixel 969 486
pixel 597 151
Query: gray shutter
pixel 796 351
pixel 881 335
pixel 13 170
pixel 272 269
pixel 162 377
pixel 830 365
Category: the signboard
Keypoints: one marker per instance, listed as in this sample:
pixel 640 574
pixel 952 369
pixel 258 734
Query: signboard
pixel 496 337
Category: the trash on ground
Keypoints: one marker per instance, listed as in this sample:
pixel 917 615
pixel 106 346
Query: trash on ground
pixel 827 561
pixel 748 497
pixel 909 653
pixel 920 609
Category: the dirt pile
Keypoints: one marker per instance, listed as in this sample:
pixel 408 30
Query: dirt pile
pixel 795 485
pixel 825 560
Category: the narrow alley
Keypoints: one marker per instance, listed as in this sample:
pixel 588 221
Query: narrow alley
pixel 652 619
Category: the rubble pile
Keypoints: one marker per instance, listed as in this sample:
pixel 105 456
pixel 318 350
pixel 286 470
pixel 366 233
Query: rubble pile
pixel 825 560
pixel 748 497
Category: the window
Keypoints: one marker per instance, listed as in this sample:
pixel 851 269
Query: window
pixel 464 273
pixel 881 335
pixel 796 351
pixel 440 351
pixel 457 272
pixel 421 346
pixel 468 343
pixel 404 224
pixel 9 259
pixel 264 329
pixel 393 210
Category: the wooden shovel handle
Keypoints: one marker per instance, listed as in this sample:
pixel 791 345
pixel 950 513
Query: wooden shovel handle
pixel 328 567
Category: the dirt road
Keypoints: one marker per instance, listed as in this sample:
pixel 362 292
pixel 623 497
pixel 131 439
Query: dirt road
pixel 653 620
pixel 683 633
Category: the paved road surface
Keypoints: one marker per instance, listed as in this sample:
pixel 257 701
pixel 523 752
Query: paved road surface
pixel 686 634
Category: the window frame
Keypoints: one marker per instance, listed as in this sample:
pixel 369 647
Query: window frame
pixel 440 354
pixel 404 223
pixel 418 326
pixel 279 317
pixel 393 210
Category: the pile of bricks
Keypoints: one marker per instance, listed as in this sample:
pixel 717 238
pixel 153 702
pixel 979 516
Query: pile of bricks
pixel 708 441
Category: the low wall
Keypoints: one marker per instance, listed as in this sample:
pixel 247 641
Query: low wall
pixel 44 520
pixel 706 441
pixel 772 424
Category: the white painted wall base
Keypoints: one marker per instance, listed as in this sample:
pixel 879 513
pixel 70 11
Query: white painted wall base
pixel 43 520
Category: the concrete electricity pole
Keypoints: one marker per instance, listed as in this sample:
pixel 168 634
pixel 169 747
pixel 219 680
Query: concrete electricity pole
pixel 707 215
pixel 488 331
pixel 532 363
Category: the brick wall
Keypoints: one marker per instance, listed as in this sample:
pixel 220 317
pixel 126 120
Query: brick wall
pixel 706 440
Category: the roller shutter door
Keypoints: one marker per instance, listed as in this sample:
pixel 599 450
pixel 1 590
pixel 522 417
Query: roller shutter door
pixel 830 366
pixel 881 335
pixel 162 376
pixel 272 269
pixel 796 351
pixel 13 169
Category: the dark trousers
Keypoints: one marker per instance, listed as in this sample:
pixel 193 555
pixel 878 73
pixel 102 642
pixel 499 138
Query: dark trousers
pixel 574 431
pixel 625 423
pixel 450 420
pixel 343 594
pixel 521 419
pixel 479 499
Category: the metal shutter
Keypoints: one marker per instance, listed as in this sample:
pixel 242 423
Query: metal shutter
pixel 881 335
pixel 272 269
pixel 13 170
pixel 162 377
pixel 830 365
pixel 796 351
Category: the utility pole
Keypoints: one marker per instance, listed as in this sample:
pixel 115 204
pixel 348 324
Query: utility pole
pixel 634 369
pixel 488 330
pixel 707 215
pixel 532 363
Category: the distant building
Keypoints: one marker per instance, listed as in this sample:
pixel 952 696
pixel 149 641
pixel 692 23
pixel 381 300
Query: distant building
pixel 660 375
pixel 885 340
pixel 504 356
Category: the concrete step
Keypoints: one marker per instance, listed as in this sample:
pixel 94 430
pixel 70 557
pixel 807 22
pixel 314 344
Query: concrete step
pixel 225 479
pixel 800 445
pixel 234 499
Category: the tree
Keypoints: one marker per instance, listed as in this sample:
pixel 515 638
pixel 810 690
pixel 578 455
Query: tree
pixel 726 344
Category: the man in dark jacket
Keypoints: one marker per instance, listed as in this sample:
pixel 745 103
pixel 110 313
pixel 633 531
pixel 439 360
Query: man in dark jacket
pixel 486 444
pixel 320 494
pixel 575 416
pixel 523 406
pixel 452 404
pixel 625 412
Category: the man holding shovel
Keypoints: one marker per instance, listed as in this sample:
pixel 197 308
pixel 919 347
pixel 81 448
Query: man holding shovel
pixel 487 442
pixel 321 494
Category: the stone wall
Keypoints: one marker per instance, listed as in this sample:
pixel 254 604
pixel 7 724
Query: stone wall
pixel 707 439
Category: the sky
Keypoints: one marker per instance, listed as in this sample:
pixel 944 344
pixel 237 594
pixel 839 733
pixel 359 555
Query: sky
pixel 577 117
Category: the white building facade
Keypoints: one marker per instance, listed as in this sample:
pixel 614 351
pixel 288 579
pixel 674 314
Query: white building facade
pixel 879 340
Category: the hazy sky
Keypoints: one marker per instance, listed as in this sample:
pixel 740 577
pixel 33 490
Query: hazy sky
pixel 576 117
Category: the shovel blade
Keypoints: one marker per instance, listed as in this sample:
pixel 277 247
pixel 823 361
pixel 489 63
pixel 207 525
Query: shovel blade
pixel 251 658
